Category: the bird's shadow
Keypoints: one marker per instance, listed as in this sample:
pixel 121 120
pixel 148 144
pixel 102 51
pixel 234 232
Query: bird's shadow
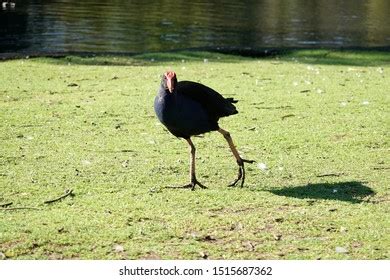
pixel 352 191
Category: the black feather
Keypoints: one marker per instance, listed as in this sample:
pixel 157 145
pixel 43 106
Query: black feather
pixel 192 108
pixel 214 103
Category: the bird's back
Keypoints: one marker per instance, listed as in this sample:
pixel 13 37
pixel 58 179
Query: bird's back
pixel 214 103
pixel 192 109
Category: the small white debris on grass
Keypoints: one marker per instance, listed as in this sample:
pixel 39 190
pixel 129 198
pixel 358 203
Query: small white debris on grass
pixel 205 60
pixel 365 103
pixel 334 190
pixel 341 250
pixel 380 70
pixel 118 248
pixel 343 229
pixel 309 67
pixel 295 84
pixel 262 166
pixel 343 104
pixel 86 162
pixel 314 69
pixel 319 91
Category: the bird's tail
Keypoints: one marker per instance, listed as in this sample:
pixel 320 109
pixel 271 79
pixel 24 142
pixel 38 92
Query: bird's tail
pixel 231 100
pixel 229 108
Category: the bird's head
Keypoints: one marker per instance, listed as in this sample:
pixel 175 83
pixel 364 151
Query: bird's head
pixel 169 81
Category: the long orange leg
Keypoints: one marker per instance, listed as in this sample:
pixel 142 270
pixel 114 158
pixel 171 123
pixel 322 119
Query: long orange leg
pixel 240 161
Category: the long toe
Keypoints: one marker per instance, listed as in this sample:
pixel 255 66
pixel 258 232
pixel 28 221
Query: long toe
pixel 241 173
pixel 239 176
pixel 248 160
pixel 233 184
pixel 195 183
pixel 190 185
pixel 187 186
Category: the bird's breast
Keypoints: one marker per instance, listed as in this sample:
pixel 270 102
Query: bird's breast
pixel 164 107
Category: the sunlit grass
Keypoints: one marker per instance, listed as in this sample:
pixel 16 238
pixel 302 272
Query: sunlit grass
pixel 318 129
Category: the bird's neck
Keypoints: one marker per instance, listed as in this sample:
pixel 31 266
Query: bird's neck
pixel 164 93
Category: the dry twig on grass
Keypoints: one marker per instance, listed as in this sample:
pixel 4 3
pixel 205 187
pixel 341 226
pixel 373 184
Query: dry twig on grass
pixel 67 193
pixel 6 204
pixel 21 208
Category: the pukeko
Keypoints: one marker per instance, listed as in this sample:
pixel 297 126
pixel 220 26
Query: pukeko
pixel 189 108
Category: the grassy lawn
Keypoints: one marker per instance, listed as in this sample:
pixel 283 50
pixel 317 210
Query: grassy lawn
pixel 317 123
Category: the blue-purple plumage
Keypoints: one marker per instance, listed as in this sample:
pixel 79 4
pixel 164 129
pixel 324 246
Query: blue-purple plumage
pixel 192 108
pixel 187 109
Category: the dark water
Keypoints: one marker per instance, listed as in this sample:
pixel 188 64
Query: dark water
pixel 138 26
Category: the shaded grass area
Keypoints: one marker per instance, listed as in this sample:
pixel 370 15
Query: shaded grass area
pixel 316 121
pixel 340 57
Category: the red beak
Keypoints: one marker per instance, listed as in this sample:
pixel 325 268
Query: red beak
pixel 171 81
pixel 171 85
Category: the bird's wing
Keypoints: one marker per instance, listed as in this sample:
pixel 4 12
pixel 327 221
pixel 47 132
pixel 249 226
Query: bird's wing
pixel 214 103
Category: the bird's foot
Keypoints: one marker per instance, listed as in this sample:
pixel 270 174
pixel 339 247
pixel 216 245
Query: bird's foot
pixel 191 185
pixel 241 172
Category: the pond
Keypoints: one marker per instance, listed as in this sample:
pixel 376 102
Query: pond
pixel 139 26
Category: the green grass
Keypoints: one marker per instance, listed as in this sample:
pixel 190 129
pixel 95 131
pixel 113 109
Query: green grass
pixel 318 119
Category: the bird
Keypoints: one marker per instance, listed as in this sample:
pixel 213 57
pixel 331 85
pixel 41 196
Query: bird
pixel 188 109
